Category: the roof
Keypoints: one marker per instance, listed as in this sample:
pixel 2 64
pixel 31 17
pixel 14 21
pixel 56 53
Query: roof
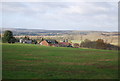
pixel 51 41
pixel 65 43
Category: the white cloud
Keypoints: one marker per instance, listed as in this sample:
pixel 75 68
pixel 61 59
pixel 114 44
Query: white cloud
pixel 65 15
pixel 59 0
pixel 73 10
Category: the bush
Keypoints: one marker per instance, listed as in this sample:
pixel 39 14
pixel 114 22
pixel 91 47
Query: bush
pixel 99 44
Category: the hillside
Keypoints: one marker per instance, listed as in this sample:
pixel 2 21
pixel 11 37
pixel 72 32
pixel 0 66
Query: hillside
pixel 27 61
pixel 41 32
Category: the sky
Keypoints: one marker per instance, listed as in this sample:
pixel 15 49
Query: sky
pixel 96 16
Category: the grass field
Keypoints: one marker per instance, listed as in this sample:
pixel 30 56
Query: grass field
pixel 26 61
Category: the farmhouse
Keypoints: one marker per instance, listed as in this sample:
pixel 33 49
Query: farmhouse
pixel 25 41
pixel 49 42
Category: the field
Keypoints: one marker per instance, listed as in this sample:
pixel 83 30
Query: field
pixel 27 61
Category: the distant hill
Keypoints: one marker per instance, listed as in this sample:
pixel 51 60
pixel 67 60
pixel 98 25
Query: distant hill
pixel 36 32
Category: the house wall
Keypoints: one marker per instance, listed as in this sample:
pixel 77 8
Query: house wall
pixel 44 43
pixel 29 41
pixel 21 40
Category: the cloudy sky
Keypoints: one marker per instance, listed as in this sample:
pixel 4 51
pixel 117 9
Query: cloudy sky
pixel 100 16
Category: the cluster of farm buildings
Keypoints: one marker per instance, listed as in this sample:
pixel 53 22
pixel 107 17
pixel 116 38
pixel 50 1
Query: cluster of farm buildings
pixel 49 42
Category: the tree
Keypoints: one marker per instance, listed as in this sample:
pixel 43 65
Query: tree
pixel 101 44
pixel 87 40
pixel 12 40
pixel 8 37
pixel 26 38
pixel 34 41
pixel 42 39
pixel 88 44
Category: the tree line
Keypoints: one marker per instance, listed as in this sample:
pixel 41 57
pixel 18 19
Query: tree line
pixel 98 44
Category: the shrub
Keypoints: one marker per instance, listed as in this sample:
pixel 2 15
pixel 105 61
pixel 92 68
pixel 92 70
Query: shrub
pixel 99 44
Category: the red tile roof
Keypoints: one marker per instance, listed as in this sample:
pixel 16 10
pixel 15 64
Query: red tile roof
pixel 65 43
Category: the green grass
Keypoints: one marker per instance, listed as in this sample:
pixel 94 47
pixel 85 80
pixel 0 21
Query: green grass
pixel 27 61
